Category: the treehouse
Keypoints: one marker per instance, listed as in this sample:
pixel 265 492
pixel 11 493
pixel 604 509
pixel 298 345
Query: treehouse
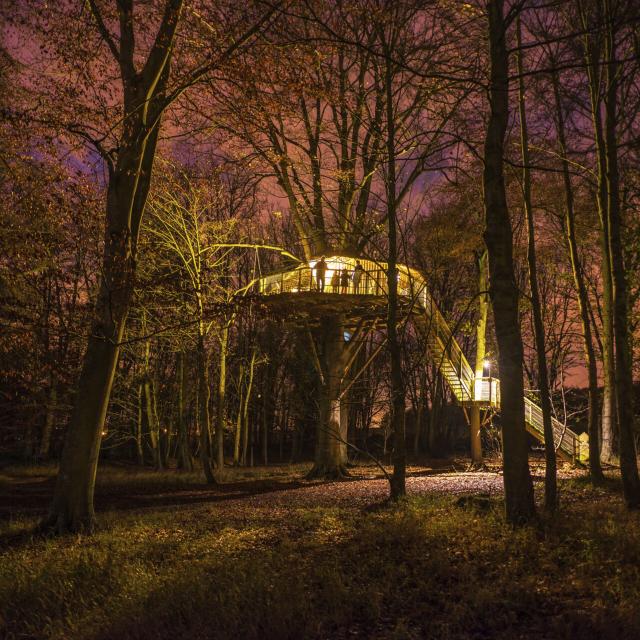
pixel 303 291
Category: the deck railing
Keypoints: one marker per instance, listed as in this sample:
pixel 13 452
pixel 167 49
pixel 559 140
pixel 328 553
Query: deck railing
pixel 304 280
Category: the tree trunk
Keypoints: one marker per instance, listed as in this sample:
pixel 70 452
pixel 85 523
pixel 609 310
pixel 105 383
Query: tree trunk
pixel 622 334
pixel 204 419
pixel 139 452
pixel 49 419
pixel 344 423
pixel 609 416
pixel 221 399
pixel 72 508
pixel 398 479
pixel 328 462
pixel 245 406
pixel 185 461
pixel 128 188
pixel 239 421
pixel 417 427
pixel 595 469
pixel 518 486
pixel 434 438
pixel 550 474
pixel 244 427
pixel 152 422
pixel 609 444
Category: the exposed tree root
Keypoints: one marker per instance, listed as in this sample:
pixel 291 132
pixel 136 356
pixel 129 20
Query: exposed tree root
pixel 328 472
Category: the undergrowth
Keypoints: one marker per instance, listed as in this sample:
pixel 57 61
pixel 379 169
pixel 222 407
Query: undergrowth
pixel 431 567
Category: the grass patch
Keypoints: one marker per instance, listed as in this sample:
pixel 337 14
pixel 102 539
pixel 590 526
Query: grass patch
pixel 24 471
pixel 432 567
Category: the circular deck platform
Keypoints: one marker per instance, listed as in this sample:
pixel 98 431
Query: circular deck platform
pixel 297 291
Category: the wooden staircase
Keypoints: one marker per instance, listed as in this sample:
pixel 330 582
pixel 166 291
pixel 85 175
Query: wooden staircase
pixel 467 390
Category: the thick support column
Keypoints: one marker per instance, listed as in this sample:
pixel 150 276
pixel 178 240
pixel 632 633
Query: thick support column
pixel 477 459
pixel 476 441
pixel 330 454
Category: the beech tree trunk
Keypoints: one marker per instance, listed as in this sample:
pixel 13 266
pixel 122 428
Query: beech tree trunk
pixel 498 235
pixel 139 451
pixel 128 187
pixel 150 410
pixel 72 507
pixel 329 462
pixel 435 438
pixel 345 419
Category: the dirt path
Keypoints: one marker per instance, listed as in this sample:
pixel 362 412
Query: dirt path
pixel 30 496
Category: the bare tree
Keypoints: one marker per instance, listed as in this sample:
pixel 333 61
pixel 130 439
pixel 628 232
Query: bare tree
pixel 503 289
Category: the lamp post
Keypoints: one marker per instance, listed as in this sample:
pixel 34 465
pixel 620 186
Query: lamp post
pixel 486 370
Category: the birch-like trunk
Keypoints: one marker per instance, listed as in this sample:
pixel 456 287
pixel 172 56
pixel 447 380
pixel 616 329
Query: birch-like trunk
pixel 237 436
pixel 221 398
pixel 152 422
pixel 204 417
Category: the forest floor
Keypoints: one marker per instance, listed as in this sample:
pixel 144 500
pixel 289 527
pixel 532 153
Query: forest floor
pixel 269 555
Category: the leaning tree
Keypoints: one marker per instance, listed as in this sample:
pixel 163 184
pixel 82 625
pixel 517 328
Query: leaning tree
pixel 108 71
